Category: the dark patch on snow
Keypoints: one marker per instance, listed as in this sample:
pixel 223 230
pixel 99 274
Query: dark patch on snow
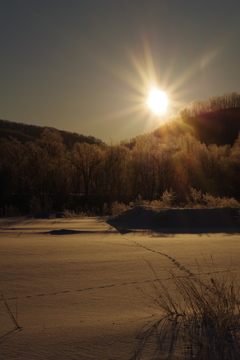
pixel 66 232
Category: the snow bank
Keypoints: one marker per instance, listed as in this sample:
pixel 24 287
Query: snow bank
pixel 178 220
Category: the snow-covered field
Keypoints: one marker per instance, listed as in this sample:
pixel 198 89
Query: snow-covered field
pixel 79 288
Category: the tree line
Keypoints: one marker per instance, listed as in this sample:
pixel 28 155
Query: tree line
pixel 46 175
pixel 26 132
pixel 214 103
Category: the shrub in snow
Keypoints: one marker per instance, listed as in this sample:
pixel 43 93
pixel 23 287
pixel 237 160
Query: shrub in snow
pixel 168 198
pixel 117 208
pixel 218 202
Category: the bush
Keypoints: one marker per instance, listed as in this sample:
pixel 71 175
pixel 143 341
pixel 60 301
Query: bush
pixel 117 208
pixel 198 200
pixel 105 209
pixel 218 202
pixel 168 198
pixel 138 201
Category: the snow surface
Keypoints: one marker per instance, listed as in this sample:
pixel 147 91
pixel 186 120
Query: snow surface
pixel 80 288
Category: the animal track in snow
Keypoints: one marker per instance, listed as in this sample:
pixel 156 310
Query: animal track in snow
pixel 78 290
pixel 176 263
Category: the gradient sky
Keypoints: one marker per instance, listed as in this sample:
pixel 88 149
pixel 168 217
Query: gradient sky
pixel 86 66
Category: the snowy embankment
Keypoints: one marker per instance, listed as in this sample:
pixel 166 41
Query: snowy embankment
pixel 179 220
pixel 80 288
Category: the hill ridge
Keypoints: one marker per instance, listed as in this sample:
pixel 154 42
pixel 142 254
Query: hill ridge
pixel 26 132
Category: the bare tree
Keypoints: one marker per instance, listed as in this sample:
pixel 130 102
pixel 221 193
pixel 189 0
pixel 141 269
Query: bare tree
pixel 86 159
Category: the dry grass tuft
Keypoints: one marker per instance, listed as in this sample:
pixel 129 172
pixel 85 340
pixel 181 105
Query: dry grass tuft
pixel 201 318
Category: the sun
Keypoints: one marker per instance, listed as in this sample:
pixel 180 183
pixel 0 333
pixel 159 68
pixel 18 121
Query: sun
pixel 157 101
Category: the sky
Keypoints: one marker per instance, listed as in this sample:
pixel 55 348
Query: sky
pixel 87 66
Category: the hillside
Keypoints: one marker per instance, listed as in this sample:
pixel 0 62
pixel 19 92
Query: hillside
pixel 220 127
pixel 24 133
pixel 216 127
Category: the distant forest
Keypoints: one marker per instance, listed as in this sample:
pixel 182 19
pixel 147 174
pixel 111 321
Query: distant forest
pixel 46 169
pixel 24 133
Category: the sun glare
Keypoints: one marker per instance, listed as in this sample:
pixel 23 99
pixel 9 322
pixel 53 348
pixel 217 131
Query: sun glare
pixel 157 101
